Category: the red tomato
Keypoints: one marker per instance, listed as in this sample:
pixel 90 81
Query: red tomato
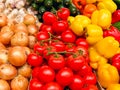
pixel 47 50
pixel 56 61
pixel 68 36
pixel 46 28
pixel 77 83
pixel 39 48
pixel 52 86
pixel 49 18
pixel 75 62
pixel 90 78
pixel 35 72
pixel 35 84
pixel 82 42
pixel 116 61
pixel 34 60
pixel 59 45
pixel 46 74
pixel 63 13
pixel 64 76
pixel 42 35
pixel 84 70
pixel 90 87
pixel 59 27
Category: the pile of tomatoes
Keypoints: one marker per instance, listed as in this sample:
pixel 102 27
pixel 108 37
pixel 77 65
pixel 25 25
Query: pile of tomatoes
pixel 60 59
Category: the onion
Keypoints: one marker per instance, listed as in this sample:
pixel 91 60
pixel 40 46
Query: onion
pixel 5 35
pixel 17 56
pixel 7 71
pixel 32 41
pixel 25 70
pixel 19 83
pixel 27 50
pixel 19 39
pixel 29 19
pixel 4 85
pixel 3 56
pixel 32 29
pixel 2 46
pixel 20 27
pixel 3 20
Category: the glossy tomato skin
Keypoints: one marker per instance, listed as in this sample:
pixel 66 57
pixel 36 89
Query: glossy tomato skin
pixel 90 78
pixel 64 76
pixel 34 60
pixel 77 83
pixel 52 86
pixel 39 48
pixel 56 61
pixel 42 36
pixel 59 27
pixel 75 62
pixel 68 36
pixel 84 70
pixel 35 84
pixel 90 87
pixel 35 72
pixel 59 45
pixel 46 28
pixel 63 13
pixel 49 18
pixel 82 42
pixel 47 50
pixel 46 74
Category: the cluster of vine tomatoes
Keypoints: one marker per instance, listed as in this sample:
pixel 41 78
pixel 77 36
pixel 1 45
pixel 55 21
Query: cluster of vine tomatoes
pixel 60 58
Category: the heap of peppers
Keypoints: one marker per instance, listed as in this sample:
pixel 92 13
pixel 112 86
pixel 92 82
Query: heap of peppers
pixel 99 23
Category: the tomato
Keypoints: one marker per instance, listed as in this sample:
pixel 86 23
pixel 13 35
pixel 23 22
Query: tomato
pixel 68 36
pixel 116 61
pixel 42 36
pixel 82 42
pixel 35 72
pixel 84 70
pixel 59 27
pixel 39 48
pixel 46 74
pixel 34 60
pixel 75 62
pixel 63 13
pixel 64 76
pixel 77 83
pixel 82 51
pixel 52 86
pixel 35 84
pixel 90 78
pixel 90 87
pixel 56 61
pixel 49 18
pixel 46 28
pixel 59 45
pixel 47 50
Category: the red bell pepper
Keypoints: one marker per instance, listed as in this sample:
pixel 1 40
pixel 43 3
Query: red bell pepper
pixel 112 31
pixel 116 16
pixel 79 3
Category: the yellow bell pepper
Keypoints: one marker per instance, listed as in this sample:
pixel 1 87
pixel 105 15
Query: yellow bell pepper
pixel 102 18
pixel 70 19
pixel 107 74
pixel 107 47
pixel 113 87
pixel 91 1
pixel 107 4
pixel 79 23
pixel 94 33
pixel 95 58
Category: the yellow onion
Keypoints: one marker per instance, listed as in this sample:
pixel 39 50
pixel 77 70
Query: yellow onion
pixel 3 56
pixel 7 71
pixel 4 85
pixel 32 29
pixel 3 20
pixel 32 41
